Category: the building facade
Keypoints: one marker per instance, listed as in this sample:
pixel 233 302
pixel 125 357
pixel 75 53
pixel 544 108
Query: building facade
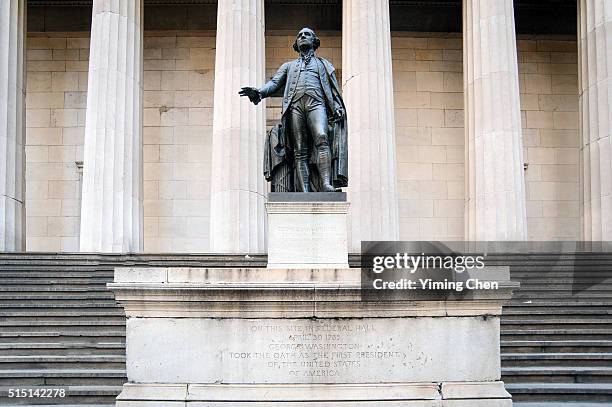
pixel 121 128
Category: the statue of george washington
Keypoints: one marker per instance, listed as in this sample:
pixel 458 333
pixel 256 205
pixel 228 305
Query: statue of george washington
pixel 308 150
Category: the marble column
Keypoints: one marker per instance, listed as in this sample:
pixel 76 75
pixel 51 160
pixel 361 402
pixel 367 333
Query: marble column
pixel 111 209
pixel 12 125
pixel 238 191
pixel 367 83
pixel 595 96
pixel 495 184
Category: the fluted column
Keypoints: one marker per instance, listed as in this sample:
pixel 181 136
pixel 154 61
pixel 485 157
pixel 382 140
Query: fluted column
pixel 495 185
pixel 237 217
pixel 595 51
pixel 367 85
pixel 111 209
pixel 12 125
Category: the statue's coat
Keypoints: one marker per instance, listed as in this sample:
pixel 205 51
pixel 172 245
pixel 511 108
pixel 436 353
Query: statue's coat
pixel 285 82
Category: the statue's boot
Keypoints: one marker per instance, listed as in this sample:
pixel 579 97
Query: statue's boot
pixel 303 175
pixel 324 168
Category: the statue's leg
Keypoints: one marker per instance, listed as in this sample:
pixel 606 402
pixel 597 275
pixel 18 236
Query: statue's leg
pixel 299 135
pixel 317 124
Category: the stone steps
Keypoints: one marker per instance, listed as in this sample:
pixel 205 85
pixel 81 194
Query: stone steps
pixel 560 392
pixel 572 359
pixel 78 361
pixel 555 304
pixel 66 282
pixel 59 303
pixel 93 295
pixel 104 320
pixel 511 313
pixel 62 377
pixel 557 320
pixel 557 374
pixel 62 348
pixel 564 281
pixel 44 276
pixel 62 312
pixel 563 346
pixel 556 334
pixel 68 405
pixel 543 324
pixel 71 405
pixel 61 334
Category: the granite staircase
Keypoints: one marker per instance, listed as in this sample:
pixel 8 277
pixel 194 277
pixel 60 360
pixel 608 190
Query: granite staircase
pixel 60 326
pixel 556 333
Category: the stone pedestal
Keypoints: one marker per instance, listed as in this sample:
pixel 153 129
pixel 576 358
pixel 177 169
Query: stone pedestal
pixel 307 230
pixel 286 337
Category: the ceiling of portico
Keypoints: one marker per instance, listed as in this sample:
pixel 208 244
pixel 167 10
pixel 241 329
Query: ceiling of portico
pixel 532 16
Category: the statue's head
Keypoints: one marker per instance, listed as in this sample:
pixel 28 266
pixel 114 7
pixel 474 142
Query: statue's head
pixel 305 39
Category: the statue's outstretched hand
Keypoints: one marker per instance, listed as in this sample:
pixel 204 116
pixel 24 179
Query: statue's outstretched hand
pixel 252 93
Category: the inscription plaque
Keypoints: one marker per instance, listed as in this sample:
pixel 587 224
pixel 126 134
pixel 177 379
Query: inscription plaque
pixel 368 350
pixel 317 350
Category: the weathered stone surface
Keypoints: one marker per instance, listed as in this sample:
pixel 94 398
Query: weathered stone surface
pixel 312 351
pixel 393 394
pixel 307 234
pixel 414 353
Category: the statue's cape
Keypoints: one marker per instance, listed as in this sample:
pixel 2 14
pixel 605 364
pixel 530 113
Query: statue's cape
pixel 338 133
pixel 274 151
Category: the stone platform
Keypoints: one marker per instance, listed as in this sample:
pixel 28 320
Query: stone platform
pixel 289 337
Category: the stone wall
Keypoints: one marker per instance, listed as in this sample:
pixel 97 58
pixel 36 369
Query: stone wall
pixel 178 101
pixel 549 99
pixel 179 81
pixel 428 80
pixel 55 120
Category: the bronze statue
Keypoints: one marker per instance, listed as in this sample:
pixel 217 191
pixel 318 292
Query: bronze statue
pixel 308 150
